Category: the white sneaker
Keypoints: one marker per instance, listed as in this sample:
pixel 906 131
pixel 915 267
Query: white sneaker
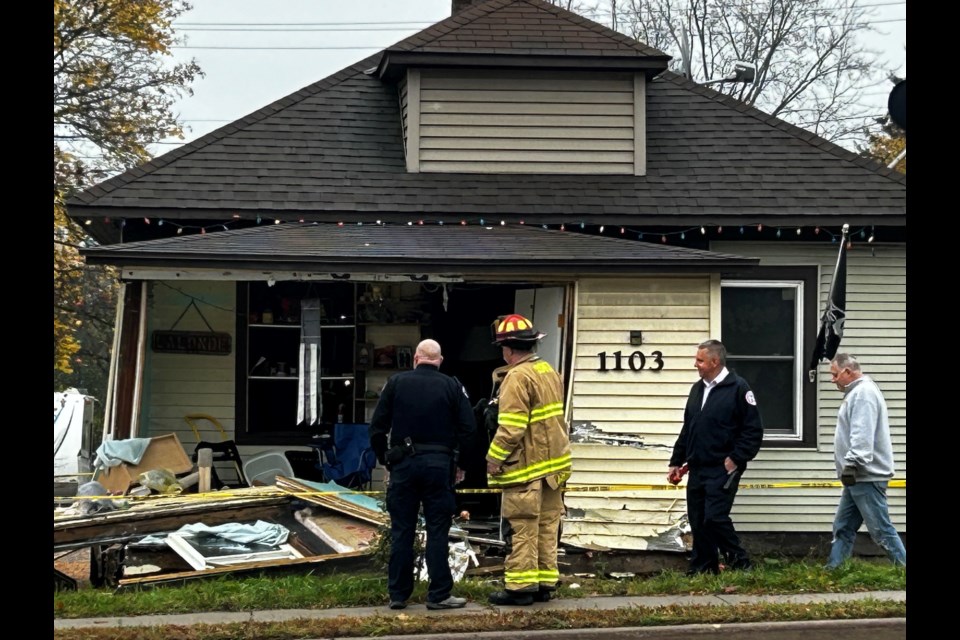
pixel 452 602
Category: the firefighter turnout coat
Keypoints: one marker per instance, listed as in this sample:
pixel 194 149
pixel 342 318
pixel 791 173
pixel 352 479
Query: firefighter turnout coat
pixel 531 441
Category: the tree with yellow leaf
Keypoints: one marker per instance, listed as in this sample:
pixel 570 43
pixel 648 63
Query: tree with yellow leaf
pixel 114 88
pixel 886 146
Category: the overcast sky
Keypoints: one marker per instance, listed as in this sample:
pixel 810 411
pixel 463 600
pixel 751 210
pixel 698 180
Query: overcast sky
pixel 254 52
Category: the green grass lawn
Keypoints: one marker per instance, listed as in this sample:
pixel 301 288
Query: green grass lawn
pixel 770 576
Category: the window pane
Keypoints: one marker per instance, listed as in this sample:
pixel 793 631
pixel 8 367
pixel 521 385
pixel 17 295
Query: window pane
pixel 772 384
pixel 758 320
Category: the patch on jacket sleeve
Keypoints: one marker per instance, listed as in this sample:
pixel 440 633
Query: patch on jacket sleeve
pixel 750 398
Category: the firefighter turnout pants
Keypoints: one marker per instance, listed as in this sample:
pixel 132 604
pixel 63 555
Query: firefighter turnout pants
pixel 533 512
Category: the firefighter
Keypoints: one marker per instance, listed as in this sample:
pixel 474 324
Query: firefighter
pixel 529 459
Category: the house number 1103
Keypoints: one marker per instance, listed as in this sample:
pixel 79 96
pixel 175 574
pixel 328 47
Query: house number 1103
pixel 636 361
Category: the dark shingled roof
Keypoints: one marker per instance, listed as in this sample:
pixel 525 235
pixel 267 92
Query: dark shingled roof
pixel 527 28
pixel 510 249
pixel 334 151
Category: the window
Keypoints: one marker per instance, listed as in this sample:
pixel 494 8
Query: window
pixel 768 342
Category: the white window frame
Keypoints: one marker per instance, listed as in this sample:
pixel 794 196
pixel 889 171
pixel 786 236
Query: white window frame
pixel 798 366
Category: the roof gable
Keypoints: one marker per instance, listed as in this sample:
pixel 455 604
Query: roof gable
pixel 525 27
pixel 520 32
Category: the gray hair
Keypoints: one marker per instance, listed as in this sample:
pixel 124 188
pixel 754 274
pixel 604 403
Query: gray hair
pixel 846 361
pixel 715 349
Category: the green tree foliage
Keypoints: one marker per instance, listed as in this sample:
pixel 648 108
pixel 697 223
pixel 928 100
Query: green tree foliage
pixel 114 88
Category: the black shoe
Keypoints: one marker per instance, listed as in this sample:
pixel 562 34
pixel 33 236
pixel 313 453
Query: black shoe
pixel 398 604
pixel 743 564
pixel 702 570
pixel 544 595
pixel 511 598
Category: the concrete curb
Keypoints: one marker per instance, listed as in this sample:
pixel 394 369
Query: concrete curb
pixel 472 608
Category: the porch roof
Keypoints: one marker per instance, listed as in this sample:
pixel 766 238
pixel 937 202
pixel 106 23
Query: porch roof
pixel 514 249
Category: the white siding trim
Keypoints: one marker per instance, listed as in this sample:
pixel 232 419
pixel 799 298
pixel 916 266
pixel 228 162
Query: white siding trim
pixel 138 375
pixel 639 124
pixel 715 319
pixel 413 120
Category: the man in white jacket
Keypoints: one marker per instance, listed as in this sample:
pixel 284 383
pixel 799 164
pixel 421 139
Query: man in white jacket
pixel 864 459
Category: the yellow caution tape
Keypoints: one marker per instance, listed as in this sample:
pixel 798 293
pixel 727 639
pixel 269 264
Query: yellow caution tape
pixel 227 494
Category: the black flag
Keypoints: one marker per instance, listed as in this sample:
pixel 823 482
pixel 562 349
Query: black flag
pixel 832 320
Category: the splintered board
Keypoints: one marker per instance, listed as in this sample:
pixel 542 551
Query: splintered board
pixel 344 534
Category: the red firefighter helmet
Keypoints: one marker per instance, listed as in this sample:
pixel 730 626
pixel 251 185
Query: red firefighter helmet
pixel 514 327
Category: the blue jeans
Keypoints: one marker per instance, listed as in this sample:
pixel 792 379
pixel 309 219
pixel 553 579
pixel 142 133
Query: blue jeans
pixel 864 502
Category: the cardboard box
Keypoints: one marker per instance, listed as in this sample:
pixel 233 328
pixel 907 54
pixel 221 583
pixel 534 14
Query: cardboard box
pixel 163 452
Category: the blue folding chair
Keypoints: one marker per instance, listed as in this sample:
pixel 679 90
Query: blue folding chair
pixel 349 459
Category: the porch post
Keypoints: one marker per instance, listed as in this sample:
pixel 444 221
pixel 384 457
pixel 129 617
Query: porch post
pixel 110 403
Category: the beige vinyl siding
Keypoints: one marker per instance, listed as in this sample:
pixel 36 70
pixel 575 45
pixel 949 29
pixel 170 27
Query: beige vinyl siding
pixel 179 384
pixel 527 121
pixel 674 314
pixel 875 331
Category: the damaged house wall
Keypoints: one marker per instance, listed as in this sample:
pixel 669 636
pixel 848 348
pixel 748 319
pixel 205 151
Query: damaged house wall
pixel 635 415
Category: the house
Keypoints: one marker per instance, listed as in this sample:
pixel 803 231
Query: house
pixel 514 157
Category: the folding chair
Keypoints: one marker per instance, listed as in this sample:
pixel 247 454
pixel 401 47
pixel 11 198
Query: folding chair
pixel 349 460
pixel 225 451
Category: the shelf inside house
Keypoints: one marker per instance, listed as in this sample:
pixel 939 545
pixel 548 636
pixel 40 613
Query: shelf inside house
pixel 270 322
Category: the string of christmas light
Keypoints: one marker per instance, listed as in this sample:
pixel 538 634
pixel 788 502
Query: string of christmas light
pixel 866 233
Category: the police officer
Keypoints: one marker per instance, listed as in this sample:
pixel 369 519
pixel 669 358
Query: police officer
pixel 529 458
pixel 428 417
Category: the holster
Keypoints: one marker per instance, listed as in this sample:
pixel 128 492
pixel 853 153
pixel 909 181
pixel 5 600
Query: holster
pixel 395 454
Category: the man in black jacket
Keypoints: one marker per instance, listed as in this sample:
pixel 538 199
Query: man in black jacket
pixel 721 432
pixel 428 417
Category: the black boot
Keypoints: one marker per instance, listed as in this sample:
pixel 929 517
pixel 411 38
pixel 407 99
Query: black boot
pixel 512 598
pixel 545 594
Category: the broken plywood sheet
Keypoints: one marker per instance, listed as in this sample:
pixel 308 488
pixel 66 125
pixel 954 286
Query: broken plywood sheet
pixel 333 496
pixel 163 452
pixel 342 533
pixel 162 513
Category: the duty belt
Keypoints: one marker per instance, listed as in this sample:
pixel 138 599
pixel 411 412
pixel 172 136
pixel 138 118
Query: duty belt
pixel 432 448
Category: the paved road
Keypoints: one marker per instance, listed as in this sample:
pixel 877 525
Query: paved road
pixel 886 629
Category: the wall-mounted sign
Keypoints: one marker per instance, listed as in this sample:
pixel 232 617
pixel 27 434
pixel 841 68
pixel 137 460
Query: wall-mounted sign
pixel 205 343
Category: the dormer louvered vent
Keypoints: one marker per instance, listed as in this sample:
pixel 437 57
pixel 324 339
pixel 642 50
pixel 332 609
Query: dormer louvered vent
pixel 523 121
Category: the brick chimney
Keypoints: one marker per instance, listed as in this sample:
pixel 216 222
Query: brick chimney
pixel 459 5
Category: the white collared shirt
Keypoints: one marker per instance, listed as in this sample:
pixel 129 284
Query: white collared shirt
pixel 708 386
